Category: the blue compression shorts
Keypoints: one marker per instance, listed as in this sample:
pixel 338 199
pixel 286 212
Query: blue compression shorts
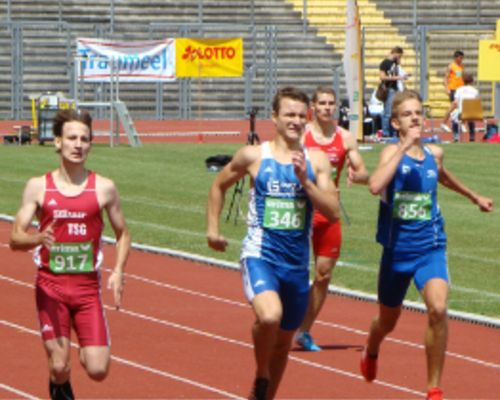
pixel 292 286
pixel 397 269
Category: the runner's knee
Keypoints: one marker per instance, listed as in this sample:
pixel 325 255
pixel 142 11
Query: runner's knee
pixel 387 326
pixel 97 372
pixel 322 278
pixel 324 269
pixel 269 317
pixel 437 312
pixel 387 321
pixel 60 369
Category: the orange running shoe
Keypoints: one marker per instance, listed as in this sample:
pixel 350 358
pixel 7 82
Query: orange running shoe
pixel 368 366
pixel 434 394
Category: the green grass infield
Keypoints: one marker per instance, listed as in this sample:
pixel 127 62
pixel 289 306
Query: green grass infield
pixel 164 190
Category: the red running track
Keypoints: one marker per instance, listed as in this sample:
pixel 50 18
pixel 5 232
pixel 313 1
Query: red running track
pixel 184 332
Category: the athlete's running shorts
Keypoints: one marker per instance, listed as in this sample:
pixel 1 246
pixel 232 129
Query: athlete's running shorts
pixel 66 300
pixel 326 237
pixel 397 270
pixel 292 286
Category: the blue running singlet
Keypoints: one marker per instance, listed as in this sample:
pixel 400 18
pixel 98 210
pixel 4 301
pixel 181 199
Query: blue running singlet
pixel 409 215
pixel 279 216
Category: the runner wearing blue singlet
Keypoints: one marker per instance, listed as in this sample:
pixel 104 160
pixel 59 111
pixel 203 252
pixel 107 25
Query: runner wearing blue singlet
pixel 411 231
pixel 287 181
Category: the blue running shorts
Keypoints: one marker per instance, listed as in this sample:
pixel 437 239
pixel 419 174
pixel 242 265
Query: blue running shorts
pixel 398 268
pixel 291 284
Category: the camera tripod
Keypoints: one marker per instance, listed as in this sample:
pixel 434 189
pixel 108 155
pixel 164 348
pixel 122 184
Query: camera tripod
pixel 252 139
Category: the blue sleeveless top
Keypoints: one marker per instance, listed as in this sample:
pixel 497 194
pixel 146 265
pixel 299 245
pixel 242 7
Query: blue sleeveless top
pixel 279 214
pixel 409 216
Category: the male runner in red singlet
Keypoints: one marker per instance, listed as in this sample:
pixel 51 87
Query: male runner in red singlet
pixel 339 145
pixel 68 204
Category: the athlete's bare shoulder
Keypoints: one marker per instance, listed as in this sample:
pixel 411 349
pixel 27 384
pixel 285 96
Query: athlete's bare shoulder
pixel 104 183
pixel 318 158
pixel 437 152
pixel 348 139
pixel 246 156
pixel 106 189
pixel 388 151
pixel 35 188
pixel 36 183
pixel 251 152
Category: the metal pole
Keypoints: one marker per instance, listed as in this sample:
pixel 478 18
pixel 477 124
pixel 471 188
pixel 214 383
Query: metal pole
pixel 336 87
pixel 304 16
pixel 112 16
pixel 17 70
pixel 249 74
pixel 254 46
pixel 362 77
pixel 414 14
pixel 267 72
pixel 159 100
pixel 200 11
pixel 478 12
pixel 252 11
pixel 9 10
pixel 59 14
pixel 76 73
pixel 423 64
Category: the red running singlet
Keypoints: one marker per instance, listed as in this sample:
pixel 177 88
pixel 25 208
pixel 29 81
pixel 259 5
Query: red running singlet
pixel 335 151
pixel 77 229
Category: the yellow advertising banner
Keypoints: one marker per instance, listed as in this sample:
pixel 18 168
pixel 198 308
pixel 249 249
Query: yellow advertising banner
pixel 205 58
pixel 489 60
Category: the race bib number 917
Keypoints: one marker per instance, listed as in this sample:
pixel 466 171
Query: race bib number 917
pixel 284 214
pixel 412 206
pixel 71 258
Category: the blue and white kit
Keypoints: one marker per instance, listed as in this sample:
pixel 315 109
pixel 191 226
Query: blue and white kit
pixel 275 251
pixel 411 229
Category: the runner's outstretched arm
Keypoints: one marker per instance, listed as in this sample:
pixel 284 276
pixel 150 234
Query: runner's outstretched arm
pixel 230 174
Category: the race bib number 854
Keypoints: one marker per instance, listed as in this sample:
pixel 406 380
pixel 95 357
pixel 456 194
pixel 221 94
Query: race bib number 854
pixel 284 214
pixel 71 258
pixel 412 206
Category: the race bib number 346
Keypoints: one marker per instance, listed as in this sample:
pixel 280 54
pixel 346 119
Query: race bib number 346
pixel 71 258
pixel 284 214
pixel 412 206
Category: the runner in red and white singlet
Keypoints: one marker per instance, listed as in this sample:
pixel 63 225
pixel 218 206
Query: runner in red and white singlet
pixel 68 203
pixel 77 219
pixel 340 146
pixel 70 269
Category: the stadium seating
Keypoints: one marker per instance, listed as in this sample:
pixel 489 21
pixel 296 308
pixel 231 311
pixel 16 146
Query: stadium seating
pixel 210 98
pixel 305 58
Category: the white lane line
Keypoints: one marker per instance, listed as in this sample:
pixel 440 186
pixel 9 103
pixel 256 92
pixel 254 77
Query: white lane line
pixel 324 323
pixel 231 341
pixel 178 231
pixel 240 304
pixel 162 203
pixel 18 392
pixel 250 346
pixel 143 367
pixel 488 321
pixel 411 344
pixel 182 290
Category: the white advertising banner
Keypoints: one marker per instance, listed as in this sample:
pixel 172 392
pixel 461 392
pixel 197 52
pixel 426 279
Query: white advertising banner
pixel 149 61
pixel 352 69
